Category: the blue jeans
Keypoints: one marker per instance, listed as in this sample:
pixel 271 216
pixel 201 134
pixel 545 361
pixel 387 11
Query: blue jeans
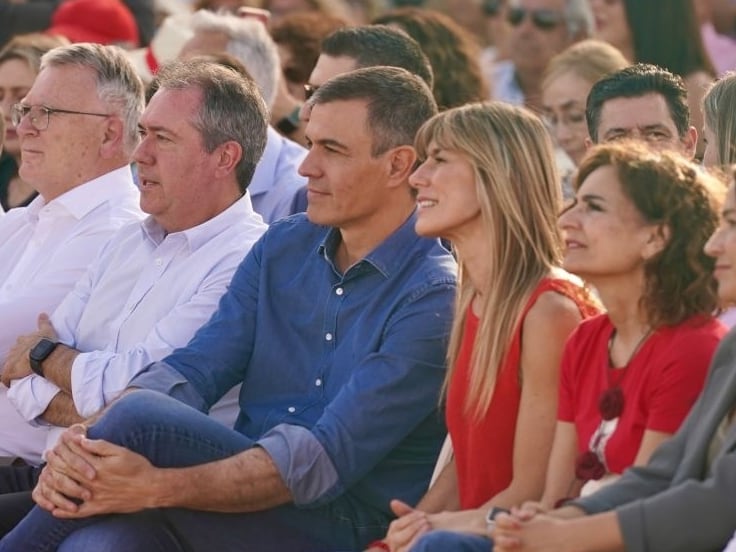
pixel 171 434
pixel 445 541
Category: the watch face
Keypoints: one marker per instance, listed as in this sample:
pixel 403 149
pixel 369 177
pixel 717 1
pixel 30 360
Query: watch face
pixel 42 349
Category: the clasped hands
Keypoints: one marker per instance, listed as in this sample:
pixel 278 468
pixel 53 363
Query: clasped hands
pixel 17 364
pixel 526 528
pixel 85 477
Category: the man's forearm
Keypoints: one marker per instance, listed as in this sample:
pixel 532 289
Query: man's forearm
pixel 246 482
pixel 61 411
pixel 57 368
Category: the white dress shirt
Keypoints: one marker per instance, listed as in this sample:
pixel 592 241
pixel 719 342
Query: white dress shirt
pixel 146 294
pixel 276 179
pixel 45 249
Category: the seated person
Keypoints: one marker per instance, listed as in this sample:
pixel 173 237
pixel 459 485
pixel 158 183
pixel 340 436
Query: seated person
pixel 682 499
pixel 488 184
pixel 336 322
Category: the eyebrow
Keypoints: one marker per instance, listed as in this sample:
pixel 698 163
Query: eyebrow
pixel 727 212
pixel 157 128
pixel 332 143
pixel 592 197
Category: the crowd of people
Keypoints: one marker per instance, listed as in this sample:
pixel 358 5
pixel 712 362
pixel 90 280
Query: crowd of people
pixel 338 275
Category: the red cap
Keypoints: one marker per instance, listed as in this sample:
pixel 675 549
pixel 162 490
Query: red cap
pixel 100 21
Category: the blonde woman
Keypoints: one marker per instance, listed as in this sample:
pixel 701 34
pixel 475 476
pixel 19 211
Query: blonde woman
pixel 719 127
pixel 567 80
pixel 488 184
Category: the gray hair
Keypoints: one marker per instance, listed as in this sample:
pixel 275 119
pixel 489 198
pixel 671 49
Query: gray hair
pixel 118 85
pixel 579 18
pixel 398 102
pixel 232 109
pixel 250 43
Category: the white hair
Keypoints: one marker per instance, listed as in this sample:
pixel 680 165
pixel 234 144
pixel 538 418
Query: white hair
pixel 250 43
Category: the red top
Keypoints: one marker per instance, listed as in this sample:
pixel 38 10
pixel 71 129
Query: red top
pixel 659 384
pixel 484 451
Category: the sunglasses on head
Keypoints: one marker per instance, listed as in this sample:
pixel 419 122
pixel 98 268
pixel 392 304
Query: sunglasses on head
pixel 542 19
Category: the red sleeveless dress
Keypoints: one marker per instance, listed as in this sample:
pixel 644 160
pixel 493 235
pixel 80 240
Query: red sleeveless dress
pixel 484 450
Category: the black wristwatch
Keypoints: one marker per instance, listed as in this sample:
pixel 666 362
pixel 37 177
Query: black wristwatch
pixel 41 352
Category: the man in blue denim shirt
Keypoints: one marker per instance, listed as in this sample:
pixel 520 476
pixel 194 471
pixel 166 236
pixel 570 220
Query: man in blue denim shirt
pixel 335 322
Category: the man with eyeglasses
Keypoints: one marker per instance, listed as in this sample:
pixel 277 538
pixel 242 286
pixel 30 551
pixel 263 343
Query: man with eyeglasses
pixel 77 128
pixel 539 30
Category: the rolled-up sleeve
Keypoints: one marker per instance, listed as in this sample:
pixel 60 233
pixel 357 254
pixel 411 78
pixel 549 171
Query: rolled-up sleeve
pixel 31 396
pixel 161 377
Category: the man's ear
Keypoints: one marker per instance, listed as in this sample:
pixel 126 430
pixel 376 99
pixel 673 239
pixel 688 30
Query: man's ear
pixel 113 136
pixel 228 155
pixel 658 239
pixel 401 164
pixel 690 142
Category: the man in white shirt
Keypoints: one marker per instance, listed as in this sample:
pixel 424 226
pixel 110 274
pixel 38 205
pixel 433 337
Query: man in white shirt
pixel 276 180
pixel 158 281
pixel 77 129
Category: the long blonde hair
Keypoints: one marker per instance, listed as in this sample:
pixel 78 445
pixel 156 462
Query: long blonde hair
pixel 519 195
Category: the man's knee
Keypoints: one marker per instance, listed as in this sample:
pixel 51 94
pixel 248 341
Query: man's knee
pixel 134 410
pixel 442 541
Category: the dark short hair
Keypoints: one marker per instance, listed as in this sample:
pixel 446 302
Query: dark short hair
pixel 636 81
pixel 371 45
pixel 398 102
pixel 232 109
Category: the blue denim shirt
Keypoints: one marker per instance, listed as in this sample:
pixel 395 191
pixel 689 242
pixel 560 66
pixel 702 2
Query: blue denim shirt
pixel 341 372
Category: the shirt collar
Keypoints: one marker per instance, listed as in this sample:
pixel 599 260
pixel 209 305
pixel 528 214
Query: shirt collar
pixel 390 254
pixel 82 199
pixel 197 236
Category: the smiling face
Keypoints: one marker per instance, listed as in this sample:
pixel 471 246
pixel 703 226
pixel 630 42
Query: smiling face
pixel 175 171
pixel 722 247
pixel 346 186
pixel 446 195
pixel 605 234
pixel 563 105
pixel 16 79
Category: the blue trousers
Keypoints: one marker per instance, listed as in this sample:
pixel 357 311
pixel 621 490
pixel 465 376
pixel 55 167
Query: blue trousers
pixel 446 541
pixel 171 434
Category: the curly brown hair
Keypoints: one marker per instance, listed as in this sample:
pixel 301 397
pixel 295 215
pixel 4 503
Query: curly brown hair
pixel 670 191
pixel 452 51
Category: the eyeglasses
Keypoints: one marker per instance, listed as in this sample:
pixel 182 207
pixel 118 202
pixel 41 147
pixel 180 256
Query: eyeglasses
pixel 309 90
pixel 543 19
pixel 492 7
pixel 39 114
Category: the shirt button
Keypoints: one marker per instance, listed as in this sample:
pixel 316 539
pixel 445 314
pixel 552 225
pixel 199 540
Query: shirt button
pixel 339 291
pixel 328 336
pixel 291 409
pixel 318 382
pixel 159 262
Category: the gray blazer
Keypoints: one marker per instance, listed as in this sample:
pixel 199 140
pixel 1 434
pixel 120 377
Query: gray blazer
pixel 672 504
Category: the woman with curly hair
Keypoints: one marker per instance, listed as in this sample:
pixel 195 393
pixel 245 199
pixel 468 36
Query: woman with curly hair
pixel 453 54
pixel 636 232
pixel 488 184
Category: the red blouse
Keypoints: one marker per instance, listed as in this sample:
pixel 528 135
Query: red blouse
pixel 484 450
pixel 660 383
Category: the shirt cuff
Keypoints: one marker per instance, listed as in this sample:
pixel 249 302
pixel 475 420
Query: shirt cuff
pixel 31 396
pixel 303 463
pixel 159 376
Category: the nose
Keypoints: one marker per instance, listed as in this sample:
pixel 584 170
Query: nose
pixel 714 245
pixel 309 167
pixel 568 218
pixel 25 128
pixel 418 178
pixel 142 152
